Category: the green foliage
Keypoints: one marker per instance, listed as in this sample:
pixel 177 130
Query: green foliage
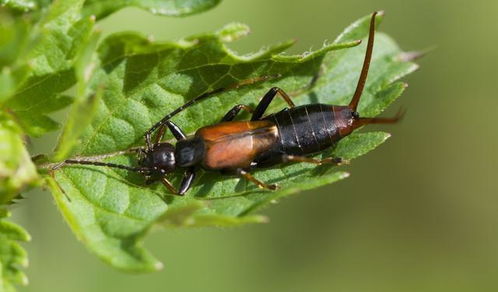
pixel 20 5
pixel 12 255
pixel 45 67
pixel 110 210
pixel 16 168
pixel 102 8
pixel 47 47
pixel 126 83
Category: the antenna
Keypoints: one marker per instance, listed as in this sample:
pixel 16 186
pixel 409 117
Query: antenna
pixel 97 163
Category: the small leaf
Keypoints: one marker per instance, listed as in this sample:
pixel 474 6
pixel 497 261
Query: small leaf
pixel 111 220
pixel 85 106
pixel 16 168
pixel 12 255
pixel 20 5
pixel 145 80
pixel 46 69
pixel 80 116
pixel 13 36
pixel 102 8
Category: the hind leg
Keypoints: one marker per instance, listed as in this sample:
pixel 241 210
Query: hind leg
pixel 255 181
pixel 329 160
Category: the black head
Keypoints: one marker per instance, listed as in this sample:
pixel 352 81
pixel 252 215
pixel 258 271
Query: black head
pixel 160 158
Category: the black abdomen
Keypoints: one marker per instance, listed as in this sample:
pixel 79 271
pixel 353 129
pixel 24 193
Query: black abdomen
pixel 305 129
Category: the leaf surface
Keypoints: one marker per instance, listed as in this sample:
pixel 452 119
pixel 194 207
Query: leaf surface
pixel 16 168
pixel 102 8
pixel 110 210
pixel 12 255
pixel 45 67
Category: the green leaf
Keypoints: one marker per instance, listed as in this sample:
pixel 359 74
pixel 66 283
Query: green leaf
pixel 25 6
pixel 111 219
pixel 102 8
pixel 13 37
pixel 85 106
pixel 189 214
pixel 46 68
pixel 80 116
pixel 144 80
pixel 20 5
pixel 13 31
pixel 16 168
pixel 12 255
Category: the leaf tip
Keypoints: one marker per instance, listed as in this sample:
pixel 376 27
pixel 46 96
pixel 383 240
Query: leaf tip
pixel 261 219
pixel 411 56
pixel 24 280
pixel 233 31
pixel 158 266
pixel 24 263
pixel 344 175
pixel 26 238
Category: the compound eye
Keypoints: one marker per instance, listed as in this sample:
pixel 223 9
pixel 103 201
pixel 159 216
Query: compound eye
pixel 355 115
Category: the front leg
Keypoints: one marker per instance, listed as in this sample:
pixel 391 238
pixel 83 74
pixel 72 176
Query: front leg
pixel 169 186
pixel 188 179
pixel 185 184
pixel 175 130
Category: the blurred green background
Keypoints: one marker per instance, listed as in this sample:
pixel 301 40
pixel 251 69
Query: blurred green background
pixel 418 214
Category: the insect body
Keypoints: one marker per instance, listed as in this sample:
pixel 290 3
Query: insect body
pixel 239 146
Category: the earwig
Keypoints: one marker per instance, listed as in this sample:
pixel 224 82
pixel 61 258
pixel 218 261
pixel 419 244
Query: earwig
pixel 238 147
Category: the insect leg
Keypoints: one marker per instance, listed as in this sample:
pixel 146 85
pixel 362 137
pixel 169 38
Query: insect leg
pixel 160 135
pixel 330 160
pixel 231 114
pixel 195 100
pixel 267 99
pixel 169 186
pixel 175 130
pixel 255 181
pixel 187 180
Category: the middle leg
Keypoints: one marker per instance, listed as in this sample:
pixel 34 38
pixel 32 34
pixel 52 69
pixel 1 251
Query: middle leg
pixel 267 99
pixel 231 114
